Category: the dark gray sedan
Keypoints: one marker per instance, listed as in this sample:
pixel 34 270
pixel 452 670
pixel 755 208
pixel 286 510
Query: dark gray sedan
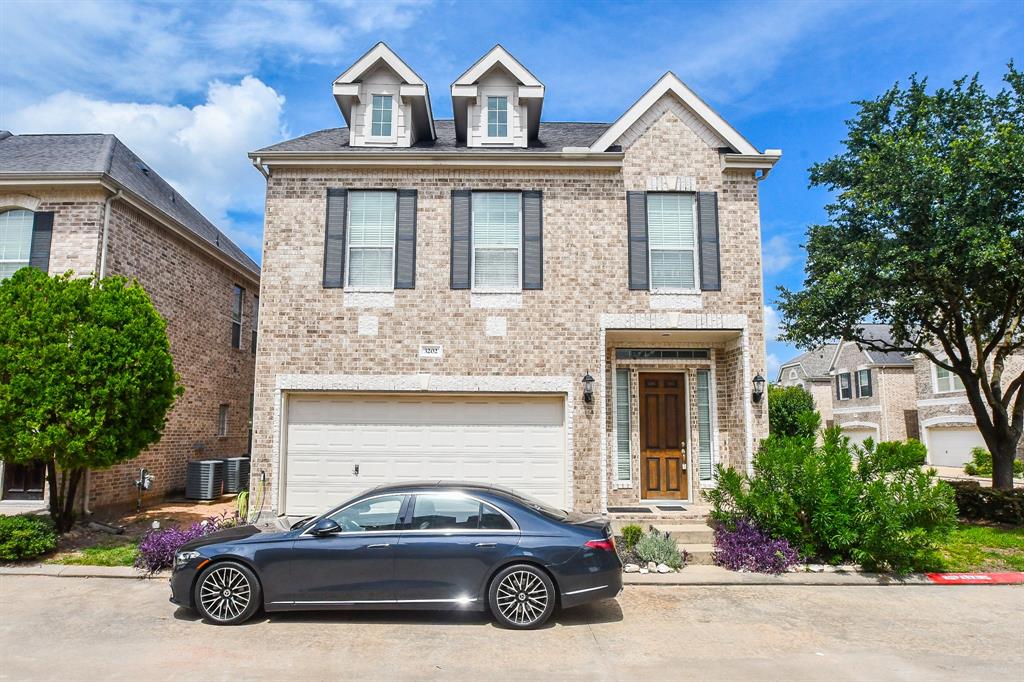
pixel 413 546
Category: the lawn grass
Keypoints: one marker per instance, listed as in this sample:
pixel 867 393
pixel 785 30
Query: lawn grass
pixel 977 548
pixel 108 555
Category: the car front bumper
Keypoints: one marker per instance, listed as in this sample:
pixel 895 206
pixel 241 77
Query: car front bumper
pixel 181 585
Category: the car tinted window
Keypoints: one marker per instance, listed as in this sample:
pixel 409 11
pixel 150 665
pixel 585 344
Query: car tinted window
pixel 455 512
pixel 541 506
pixel 377 513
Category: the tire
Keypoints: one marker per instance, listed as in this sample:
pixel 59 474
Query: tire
pixel 227 593
pixel 521 597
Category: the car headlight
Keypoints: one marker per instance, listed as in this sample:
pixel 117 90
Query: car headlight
pixel 182 558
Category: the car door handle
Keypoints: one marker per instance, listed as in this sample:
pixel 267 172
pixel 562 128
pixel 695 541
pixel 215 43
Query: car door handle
pixel 486 544
pixel 379 546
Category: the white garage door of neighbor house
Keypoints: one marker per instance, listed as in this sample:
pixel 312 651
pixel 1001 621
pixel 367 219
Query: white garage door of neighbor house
pixel 515 441
pixel 951 447
pixel 858 436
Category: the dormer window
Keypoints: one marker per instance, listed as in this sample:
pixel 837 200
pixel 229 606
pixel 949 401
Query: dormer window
pixel 382 112
pixel 497 117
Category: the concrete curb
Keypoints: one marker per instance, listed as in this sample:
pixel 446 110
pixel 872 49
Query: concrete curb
pixel 69 571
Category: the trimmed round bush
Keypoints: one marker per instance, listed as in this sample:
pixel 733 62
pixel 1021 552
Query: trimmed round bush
pixel 26 537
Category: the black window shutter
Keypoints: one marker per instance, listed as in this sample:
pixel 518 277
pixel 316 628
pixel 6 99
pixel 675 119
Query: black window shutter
pixel 636 218
pixel 462 241
pixel 334 239
pixel 533 239
pixel 707 226
pixel 405 240
pixel 42 234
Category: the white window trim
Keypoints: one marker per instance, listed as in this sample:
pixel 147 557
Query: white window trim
pixel 856 381
pixel 952 382
pixel 380 289
pixel 487 137
pixel 473 247
pixel 24 263
pixel 393 137
pixel 839 392
pixel 696 254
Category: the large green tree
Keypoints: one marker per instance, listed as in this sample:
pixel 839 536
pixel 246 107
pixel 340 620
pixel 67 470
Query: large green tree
pixel 926 233
pixel 86 377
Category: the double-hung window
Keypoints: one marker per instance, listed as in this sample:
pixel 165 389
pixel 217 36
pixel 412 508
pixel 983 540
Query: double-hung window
pixel 672 240
pixel 844 391
pixel 255 320
pixel 371 240
pixel 946 381
pixel 15 241
pixel 237 300
pixel 497 117
pixel 864 383
pixel 381 116
pixel 496 239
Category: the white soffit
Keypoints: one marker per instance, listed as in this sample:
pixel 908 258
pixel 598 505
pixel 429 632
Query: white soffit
pixel 346 86
pixel 669 83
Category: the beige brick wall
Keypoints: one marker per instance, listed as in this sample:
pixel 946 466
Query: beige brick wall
pixel 892 396
pixel 306 329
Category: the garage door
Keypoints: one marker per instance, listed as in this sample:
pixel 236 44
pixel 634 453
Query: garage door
pixel 339 445
pixel 857 436
pixel 951 446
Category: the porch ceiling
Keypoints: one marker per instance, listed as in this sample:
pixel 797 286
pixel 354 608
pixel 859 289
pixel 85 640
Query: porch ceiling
pixel 680 337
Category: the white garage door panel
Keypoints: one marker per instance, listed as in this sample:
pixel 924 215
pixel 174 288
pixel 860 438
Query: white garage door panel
pixel 513 441
pixel 951 447
pixel 858 436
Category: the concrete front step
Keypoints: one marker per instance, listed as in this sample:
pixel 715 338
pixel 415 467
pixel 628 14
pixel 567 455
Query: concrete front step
pixel 692 532
pixel 700 554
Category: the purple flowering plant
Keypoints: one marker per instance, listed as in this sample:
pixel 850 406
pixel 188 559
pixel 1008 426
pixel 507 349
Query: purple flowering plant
pixel 742 546
pixel 157 547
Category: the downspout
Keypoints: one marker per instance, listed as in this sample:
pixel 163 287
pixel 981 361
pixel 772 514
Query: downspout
pixel 102 272
pixel 258 164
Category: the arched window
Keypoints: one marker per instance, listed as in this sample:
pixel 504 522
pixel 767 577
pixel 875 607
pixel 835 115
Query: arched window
pixel 15 240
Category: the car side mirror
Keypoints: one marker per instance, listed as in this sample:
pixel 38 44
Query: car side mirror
pixel 325 527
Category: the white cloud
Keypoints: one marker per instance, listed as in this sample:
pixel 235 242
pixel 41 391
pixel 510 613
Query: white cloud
pixel 778 253
pixel 771 324
pixel 774 362
pixel 201 150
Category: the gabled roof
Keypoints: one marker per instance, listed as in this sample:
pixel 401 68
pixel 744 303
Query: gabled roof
pixel 815 363
pixel 346 85
pixel 670 84
pixel 530 91
pixel 883 334
pixel 498 55
pixel 102 155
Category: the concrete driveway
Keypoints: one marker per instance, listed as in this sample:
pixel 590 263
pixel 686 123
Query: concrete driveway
pixel 83 629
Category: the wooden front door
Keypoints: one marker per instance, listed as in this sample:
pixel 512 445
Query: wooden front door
pixel 663 437
pixel 24 481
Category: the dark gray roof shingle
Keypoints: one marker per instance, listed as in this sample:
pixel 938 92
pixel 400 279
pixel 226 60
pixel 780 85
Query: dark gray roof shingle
pixel 98 153
pixel 553 137
pixel 883 333
pixel 815 362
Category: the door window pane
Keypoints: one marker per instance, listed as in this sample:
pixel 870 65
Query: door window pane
pixel 371 239
pixel 15 241
pixel 378 513
pixel 671 235
pixel 455 512
pixel 704 422
pixel 623 467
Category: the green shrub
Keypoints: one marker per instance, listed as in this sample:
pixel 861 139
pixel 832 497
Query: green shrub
pixel 660 548
pixel 631 534
pixel 883 513
pixel 988 504
pixel 981 464
pixel 25 537
pixel 791 412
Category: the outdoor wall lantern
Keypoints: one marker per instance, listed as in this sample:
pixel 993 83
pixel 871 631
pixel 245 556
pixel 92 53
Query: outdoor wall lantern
pixel 588 388
pixel 758 388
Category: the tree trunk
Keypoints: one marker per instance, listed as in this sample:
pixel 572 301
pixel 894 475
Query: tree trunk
pixel 1002 466
pixel 63 490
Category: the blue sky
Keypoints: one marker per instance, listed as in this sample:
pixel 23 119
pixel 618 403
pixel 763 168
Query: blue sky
pixel 192 86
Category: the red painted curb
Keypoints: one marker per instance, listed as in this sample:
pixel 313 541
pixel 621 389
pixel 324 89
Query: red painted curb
pixel 1012 578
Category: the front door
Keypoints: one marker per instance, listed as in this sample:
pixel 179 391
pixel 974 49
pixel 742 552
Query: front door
pixel 663 437
pixel 24 481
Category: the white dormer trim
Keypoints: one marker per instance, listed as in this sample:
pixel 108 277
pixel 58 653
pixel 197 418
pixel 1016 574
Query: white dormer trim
pixel 469 100
pixel 669 83
pixel 411 114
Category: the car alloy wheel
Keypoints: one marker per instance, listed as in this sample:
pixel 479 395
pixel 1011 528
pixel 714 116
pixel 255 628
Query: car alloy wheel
pixel 522 597
pixel 227 593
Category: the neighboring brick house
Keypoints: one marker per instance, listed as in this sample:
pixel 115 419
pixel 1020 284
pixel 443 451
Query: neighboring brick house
pixel 874 391
pixel 60 195
pixel 810 371
pixel 949 428
pixel 571 309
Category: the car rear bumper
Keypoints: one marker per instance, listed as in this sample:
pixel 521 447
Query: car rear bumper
pixel 605 585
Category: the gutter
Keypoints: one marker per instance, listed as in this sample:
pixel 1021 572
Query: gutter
pixel 257 163
pixel 569 158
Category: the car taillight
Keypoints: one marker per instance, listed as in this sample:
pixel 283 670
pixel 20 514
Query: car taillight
pixel 608 544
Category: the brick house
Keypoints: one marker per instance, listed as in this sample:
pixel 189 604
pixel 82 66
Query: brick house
pixel 810 371
pixel 570 309
pixel 87 204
